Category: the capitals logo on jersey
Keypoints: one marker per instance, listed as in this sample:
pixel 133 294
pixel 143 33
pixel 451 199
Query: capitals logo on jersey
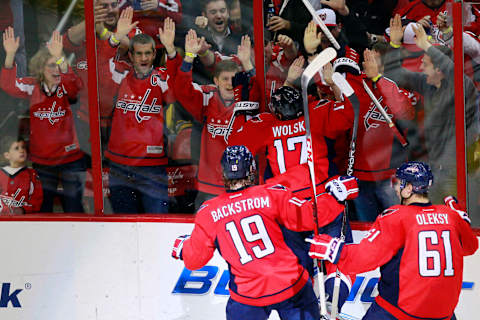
pixel 51 114
pixel 373 116
pixel 130 103
pixel 11 201
pixel 219 129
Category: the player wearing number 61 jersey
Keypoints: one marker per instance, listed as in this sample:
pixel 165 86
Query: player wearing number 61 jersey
pixel 418 246
pixel 244 225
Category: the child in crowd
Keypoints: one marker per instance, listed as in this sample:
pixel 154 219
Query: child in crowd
pixel 54 148
pixel 20 188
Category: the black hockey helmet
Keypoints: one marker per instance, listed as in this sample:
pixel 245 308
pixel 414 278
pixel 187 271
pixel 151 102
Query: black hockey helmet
pixel 286 103
pixel 417 173
pixel 238 163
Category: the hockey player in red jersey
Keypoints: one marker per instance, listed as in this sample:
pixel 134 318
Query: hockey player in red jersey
pixel 418 246
pixel 212 105
pixel 244 225
pixel 283 136
pixel 20 188
pixel 54 148
pixel 283 130
pixel 137 144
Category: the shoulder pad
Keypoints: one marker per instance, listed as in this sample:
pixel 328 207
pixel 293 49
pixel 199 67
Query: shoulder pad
pixel 202 206
pixel 389 211
pixel 321 103
pixel 278 187
pixel 261 117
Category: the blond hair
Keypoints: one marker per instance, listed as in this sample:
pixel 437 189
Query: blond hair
pixel 38 62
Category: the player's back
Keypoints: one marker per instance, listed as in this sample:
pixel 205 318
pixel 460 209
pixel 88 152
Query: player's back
pixel 424 278
pixel 246 231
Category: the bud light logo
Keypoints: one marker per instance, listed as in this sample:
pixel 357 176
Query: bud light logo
pixel 201 282
pixel 9 296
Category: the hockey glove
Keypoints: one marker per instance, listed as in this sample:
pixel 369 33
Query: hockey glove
pixel 325 247
pixel 452 202
pixel 348 63
pixel 178 246
pixel 343 188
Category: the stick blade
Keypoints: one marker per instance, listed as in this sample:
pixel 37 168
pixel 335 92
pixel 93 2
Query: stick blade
pixel 342 84
pixel 317 64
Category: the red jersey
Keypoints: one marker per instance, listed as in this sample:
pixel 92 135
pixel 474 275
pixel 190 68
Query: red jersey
pixel 138 136
pixel 6 15
pixel 106 55
pixel 286 141
pixel 150 20
pixel 20 189
pixel 53 138
pixel 206 106
pixel 245 227
pixel 420 250
pixel 375 140
pixel 416 10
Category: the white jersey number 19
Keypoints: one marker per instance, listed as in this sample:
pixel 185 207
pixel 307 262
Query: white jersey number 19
pixel 260 234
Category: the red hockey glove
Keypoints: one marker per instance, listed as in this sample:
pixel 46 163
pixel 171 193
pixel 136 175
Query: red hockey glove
pixel 343 188
pixel 178 246
pixel 325 247
pixel 452 202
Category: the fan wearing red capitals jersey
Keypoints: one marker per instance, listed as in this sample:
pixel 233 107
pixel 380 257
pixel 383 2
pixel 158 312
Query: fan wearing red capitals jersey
pixel 54 148
pixel 137 145
pixel 211 105
pixel 244 224
pixel 118 29
pixel 418 246
pixel 378 150
pixel 20 188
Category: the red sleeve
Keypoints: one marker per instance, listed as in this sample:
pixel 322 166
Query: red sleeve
pixel 36 194
pixel 172 71
pixel 69 46
pixel 336 117
pixel 396 99
pixel 71 82
pixel 191 95
pixel 17 87
pixel 170 8
pixel 295 214
pixel 298 214
pixel 199 248
pixel 468 239
pixel 247 133
pixel 380 244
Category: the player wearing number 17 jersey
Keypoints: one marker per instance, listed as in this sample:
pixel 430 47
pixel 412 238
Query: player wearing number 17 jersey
pixel 419 248
pixel 282 131
pixel 244 225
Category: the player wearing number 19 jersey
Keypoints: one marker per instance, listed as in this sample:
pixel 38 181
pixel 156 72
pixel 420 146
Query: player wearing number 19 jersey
pixel 244 225
pixel 419 248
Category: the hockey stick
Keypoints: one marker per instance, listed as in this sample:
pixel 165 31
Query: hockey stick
pixel 347 90
pixel 315 66
pixel 239 106
pixel 385 115
pixel 350 94
pixel 321 24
